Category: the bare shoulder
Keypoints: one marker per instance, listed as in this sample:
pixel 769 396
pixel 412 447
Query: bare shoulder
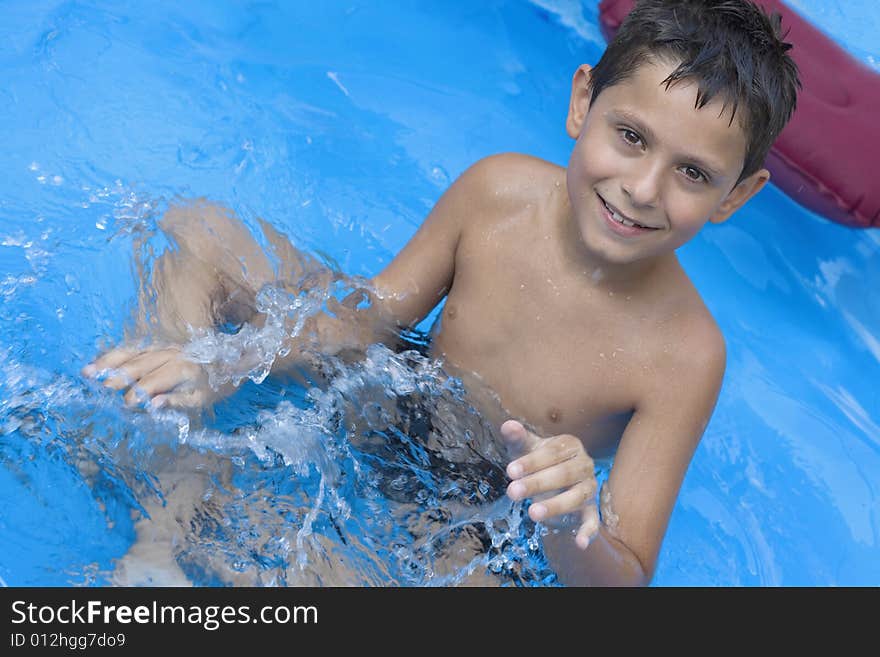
pixel 694 349
pixel 519 165
pixel 512 179
pixel 684 368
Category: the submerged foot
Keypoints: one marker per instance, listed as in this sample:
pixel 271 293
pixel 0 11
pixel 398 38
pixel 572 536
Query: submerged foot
pixel 149 564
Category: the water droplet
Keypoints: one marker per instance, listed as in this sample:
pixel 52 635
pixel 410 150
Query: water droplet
pixel 439 175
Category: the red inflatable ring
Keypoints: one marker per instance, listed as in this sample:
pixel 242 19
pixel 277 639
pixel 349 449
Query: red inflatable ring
pixel 826 157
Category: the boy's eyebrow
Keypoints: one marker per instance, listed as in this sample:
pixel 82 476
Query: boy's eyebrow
pixel 629 117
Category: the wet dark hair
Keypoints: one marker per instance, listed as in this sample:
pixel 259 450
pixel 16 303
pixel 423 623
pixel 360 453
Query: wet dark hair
pixel 729 47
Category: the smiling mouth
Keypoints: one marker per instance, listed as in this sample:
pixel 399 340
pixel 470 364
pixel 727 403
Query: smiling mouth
pixel 621 218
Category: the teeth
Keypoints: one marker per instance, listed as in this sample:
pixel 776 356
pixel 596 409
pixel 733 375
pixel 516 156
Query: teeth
pixel 620 219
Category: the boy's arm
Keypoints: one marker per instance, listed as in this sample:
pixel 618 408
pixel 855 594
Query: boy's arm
pixel 415 281
pixel 420 276
pixel 649 467
pixel 406 291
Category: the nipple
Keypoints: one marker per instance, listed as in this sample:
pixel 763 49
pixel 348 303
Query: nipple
pixel 554 415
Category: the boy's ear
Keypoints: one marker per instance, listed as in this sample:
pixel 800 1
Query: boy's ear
pixel 579 105
pixel 737 197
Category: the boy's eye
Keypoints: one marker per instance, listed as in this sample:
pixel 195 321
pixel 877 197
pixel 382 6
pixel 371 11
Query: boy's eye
pixel 630 137
pixel 693 174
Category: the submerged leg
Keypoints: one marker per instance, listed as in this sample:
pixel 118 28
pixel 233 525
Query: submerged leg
pixel 213 272
pixel 211 275
pixel 189 480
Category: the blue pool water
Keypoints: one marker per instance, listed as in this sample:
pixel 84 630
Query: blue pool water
pixel 341 124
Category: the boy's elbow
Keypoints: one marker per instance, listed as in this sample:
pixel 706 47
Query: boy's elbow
pixel 632 570
pixel 607 562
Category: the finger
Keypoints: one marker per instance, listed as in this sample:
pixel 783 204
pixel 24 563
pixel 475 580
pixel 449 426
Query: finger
pixel 111 360
pixel 138 367
pixel 555 478
pixel 185 399
pixel 519 439
pixel 589 527
pixel 575 498
pixel 169 376
pixel 549 452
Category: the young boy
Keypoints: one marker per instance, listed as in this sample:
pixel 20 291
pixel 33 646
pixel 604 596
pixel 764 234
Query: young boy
pixel 563 292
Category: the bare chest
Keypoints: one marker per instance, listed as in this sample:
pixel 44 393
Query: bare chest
pixel 562 359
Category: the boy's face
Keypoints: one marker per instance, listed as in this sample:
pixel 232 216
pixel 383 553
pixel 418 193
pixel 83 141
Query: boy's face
pixel 646 155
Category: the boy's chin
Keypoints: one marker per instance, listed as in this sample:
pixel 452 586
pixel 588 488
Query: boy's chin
pixel 609 249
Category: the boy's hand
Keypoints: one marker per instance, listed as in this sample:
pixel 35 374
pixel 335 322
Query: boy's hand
pixel 559 468
pixel 159 376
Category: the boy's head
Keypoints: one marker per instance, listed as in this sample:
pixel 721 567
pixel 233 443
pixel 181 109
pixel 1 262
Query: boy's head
pixel 674 122
pixel 730 48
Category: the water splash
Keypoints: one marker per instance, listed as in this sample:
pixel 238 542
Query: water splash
pixel 385 475
pixel 388 454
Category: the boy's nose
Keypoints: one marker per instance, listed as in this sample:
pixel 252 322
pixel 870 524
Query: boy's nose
pixel 642 188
